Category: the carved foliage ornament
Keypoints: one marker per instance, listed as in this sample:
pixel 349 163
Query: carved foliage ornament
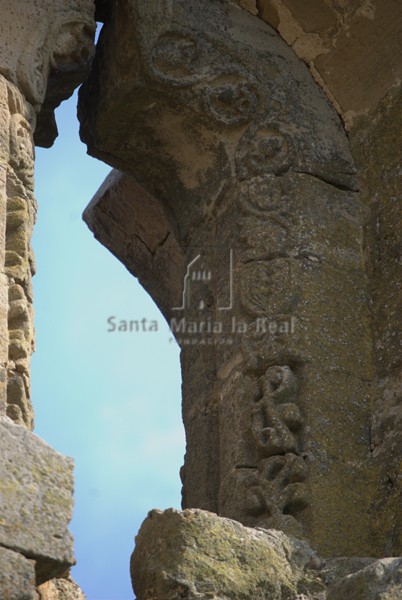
pixel 278 486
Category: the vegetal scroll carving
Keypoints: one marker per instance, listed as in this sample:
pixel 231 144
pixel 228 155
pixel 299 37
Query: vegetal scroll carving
pixel 276 489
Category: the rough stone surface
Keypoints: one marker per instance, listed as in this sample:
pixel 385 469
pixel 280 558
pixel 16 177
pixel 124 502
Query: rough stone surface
pixel 240 214
pixel 17 576
pixel 225 129
pixel 36 488
pixel 352 47
pixel 380 581
pixel 373 141
pixel 198 556
pixel 60 589
pixel 44 66
pixel 123 210
pixel 249 5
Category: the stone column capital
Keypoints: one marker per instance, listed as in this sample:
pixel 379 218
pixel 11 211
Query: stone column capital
pixel 46 48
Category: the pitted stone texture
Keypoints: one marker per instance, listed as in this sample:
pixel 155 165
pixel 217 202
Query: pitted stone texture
pixel 180 50
pixel 249 5
pixel 17 576
pixel 198 556
pixel 380 581
pixel 36 492
pixel 60 589
pixel 123 210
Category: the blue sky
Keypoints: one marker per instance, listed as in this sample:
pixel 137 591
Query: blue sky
pixel 109 400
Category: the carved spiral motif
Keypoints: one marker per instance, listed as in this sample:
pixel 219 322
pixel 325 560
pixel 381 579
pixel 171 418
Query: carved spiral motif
pixel 264 149
pixel 231 101
pixel 276 417
pixel 278 487
pixel 281 381
pixel 259 195
pixel 174 58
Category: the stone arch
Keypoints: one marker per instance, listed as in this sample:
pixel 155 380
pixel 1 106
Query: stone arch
pixel 230 146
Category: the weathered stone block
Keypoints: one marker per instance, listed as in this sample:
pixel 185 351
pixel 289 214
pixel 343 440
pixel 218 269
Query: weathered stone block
pixel 36 500
pixel 198 556
pixel 17 576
